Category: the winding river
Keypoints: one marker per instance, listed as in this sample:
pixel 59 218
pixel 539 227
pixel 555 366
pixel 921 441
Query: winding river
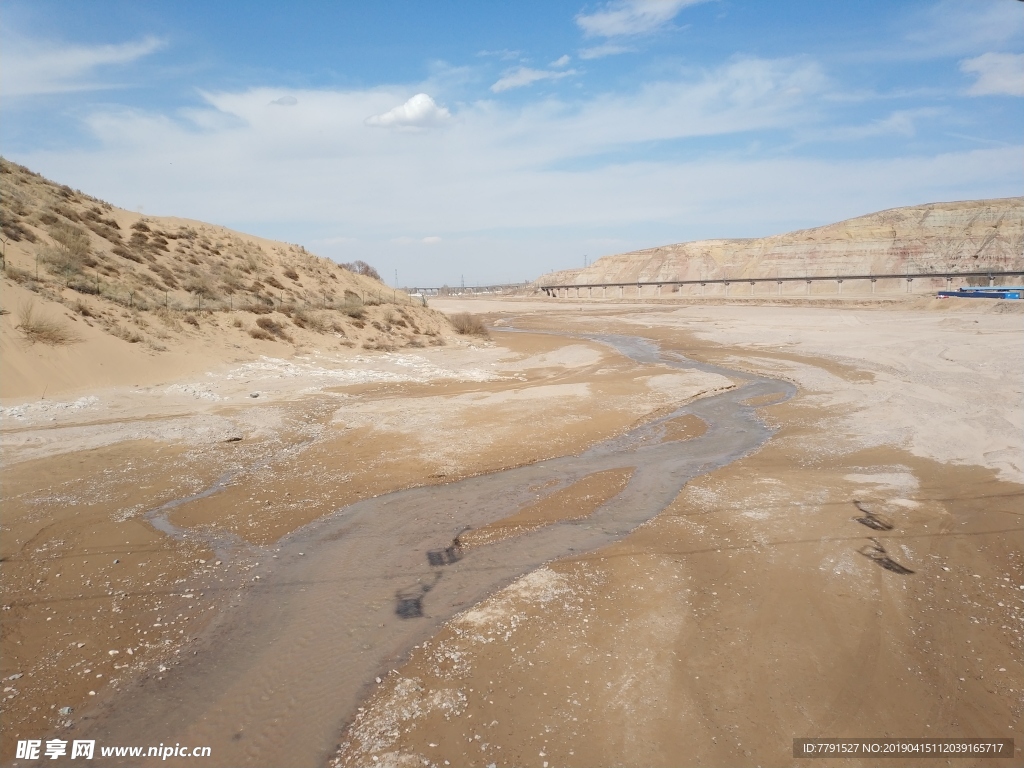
pixel 280 672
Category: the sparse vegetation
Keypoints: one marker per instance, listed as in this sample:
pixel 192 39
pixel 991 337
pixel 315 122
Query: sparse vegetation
pixel 273 327
pixel 43 330
pixel 468 325
pixel 259 333
pixel 114 270
pixel 361 268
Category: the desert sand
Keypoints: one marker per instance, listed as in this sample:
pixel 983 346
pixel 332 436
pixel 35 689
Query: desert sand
pixel 188 557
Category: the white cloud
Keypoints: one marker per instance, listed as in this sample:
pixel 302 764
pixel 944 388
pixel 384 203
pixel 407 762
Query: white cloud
pixel 431 240
pixel 630 17
pixel 898 123
pixel 605 49
pixel 959 27
pixel 999 74
pixel 285 101
pixel 418 112
pixel 335 241
pixel 33 67
pixel 561 61
pixel 526 76
pixel 510 180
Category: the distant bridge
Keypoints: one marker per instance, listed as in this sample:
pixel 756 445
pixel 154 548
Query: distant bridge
pixel 563 290
pixel 447 290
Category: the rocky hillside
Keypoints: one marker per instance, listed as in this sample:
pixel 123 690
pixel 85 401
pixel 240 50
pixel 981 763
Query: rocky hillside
pixel 964 236
pixel 158 282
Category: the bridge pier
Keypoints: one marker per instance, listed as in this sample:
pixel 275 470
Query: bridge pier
pixel 840 286
pixel 779 292
pixel 873 281
pixel 751 287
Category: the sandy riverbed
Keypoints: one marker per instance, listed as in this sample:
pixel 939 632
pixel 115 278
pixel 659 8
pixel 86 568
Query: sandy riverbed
pixel 755 609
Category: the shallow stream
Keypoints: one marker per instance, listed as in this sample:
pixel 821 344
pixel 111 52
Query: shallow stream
pixel 281 671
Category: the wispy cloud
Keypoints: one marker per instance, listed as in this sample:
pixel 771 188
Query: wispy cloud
pixel 999 74
pixel 420 111
pixel 956 28
pixel 899 123
pixel 33 67
pixel 524 76
pixel 630 17
pixel 605 49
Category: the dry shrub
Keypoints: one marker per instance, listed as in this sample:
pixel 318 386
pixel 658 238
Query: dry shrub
pixel 127 334
pixel 468 325
pixel 18 275
pixel 259 333
pixel 356 313
pixel 291 274
pixel 71 248
pixel 43 330
pixel 191 320
pixel 81 308
pixel 314 321
pixel 272 326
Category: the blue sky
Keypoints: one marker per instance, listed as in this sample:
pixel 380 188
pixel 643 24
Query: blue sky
pixel 492 142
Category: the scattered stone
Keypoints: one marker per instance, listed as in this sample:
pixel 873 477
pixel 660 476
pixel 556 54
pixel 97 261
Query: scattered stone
pixel 254 394
pixel 65 710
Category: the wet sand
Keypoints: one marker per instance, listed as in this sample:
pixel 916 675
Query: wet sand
pixel 814 639
pixel 834 583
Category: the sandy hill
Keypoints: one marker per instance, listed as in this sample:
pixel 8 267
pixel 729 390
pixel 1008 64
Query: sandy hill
pixel 95 295
pixel 962 236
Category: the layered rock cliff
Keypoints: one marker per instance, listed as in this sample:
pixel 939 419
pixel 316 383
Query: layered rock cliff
pixel 959 237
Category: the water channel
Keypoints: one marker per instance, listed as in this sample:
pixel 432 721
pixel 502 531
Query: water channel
pixel 280 672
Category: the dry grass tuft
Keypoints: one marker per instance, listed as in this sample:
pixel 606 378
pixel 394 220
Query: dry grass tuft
pixel 259 333
pixel 468 325
pixel 43 330
pixel 272 327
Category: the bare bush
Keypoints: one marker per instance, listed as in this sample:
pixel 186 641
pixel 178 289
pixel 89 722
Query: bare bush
pixel 43 330
pixel 259 333
pixel 361 268
pixel 272 326
pixel 313 321
pixel 468 325
pixel 17 275
pixel 71 248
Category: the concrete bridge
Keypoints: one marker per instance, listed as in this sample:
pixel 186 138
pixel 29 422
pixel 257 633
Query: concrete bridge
pixel 463 290
pixel 565 291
